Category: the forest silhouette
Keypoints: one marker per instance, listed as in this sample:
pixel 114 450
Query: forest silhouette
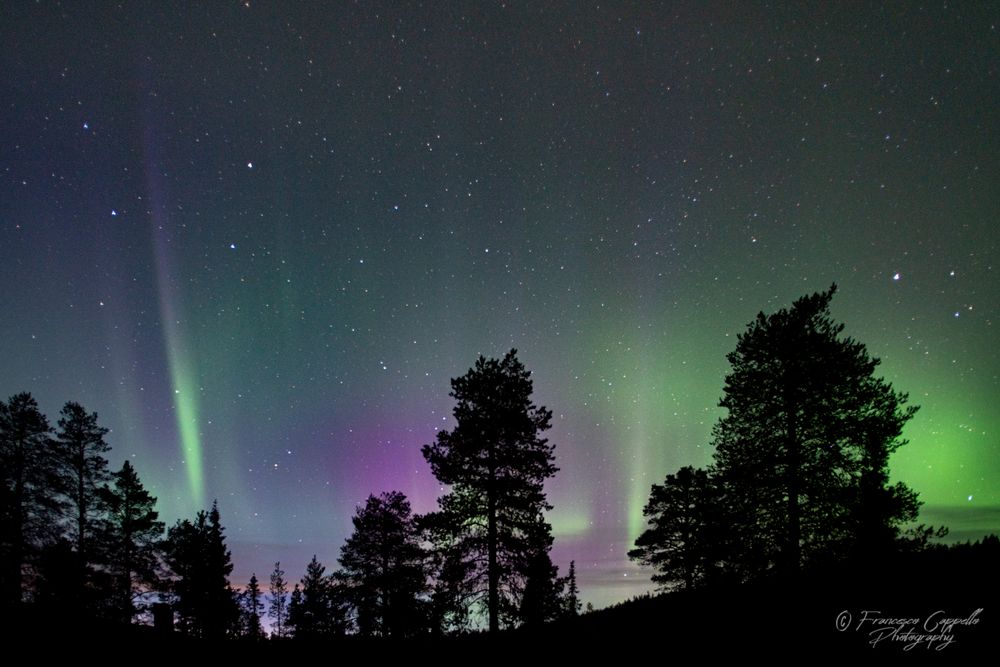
pixel 794 523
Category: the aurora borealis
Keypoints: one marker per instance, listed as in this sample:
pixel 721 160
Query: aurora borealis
pixel 260 238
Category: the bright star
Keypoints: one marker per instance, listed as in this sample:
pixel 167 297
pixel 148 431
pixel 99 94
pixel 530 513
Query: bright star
pixel 249 165
pixel 895 276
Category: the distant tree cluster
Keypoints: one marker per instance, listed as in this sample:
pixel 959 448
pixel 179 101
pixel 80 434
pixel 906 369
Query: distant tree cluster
pixel 77 537
pixel 800 476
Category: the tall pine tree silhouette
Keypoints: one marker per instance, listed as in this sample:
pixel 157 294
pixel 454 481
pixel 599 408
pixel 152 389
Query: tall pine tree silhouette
pixel 802 452
pixel 28 507
pixel 81 449
pixel 496 463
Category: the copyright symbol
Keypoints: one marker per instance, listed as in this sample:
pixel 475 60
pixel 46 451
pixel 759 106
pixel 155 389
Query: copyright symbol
pixel 843 620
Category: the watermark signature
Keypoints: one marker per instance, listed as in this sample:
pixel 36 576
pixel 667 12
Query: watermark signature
pixel 935 631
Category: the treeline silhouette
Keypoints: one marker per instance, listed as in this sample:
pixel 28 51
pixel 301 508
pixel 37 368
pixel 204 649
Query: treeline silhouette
pixel 797 507
pixel 81 541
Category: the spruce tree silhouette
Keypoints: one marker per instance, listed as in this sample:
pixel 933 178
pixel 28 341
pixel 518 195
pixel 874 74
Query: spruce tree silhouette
pixel 196 552
pixel 132 541
pixel 542 599
pixel 496 463
pixel 317 609
pixel 573 604
pixel 251 607
pixel 295 614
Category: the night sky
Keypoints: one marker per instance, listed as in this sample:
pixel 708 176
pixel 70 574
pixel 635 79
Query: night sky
pixel 259 239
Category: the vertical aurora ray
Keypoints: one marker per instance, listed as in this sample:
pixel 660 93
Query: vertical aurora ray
pixel 180 361
pixel 186 409
pixel 123 356
pixel 617 390
pixel 182 373
pixel 654 403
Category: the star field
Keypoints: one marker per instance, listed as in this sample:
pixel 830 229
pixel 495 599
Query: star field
pixel 260 238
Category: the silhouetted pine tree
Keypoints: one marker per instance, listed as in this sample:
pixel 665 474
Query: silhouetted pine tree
pixel 683 541
pixel 383 568
pixel 496 463
pixel 196 552
pixel 133 540
pixel 277 609
pixel 251 607
pixel 803 449
pixel 28 507
pixel 83 472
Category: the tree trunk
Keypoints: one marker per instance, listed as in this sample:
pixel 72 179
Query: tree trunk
pixel 17 530
pixel 493 573
pixel 792 556
pixel 81 506
pixel 385 615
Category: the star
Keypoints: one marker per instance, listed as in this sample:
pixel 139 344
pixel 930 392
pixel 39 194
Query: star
pixel 895 276
pixel 249 165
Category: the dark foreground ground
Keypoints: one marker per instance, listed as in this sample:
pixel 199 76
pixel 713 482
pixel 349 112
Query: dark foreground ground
pixel 942 605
